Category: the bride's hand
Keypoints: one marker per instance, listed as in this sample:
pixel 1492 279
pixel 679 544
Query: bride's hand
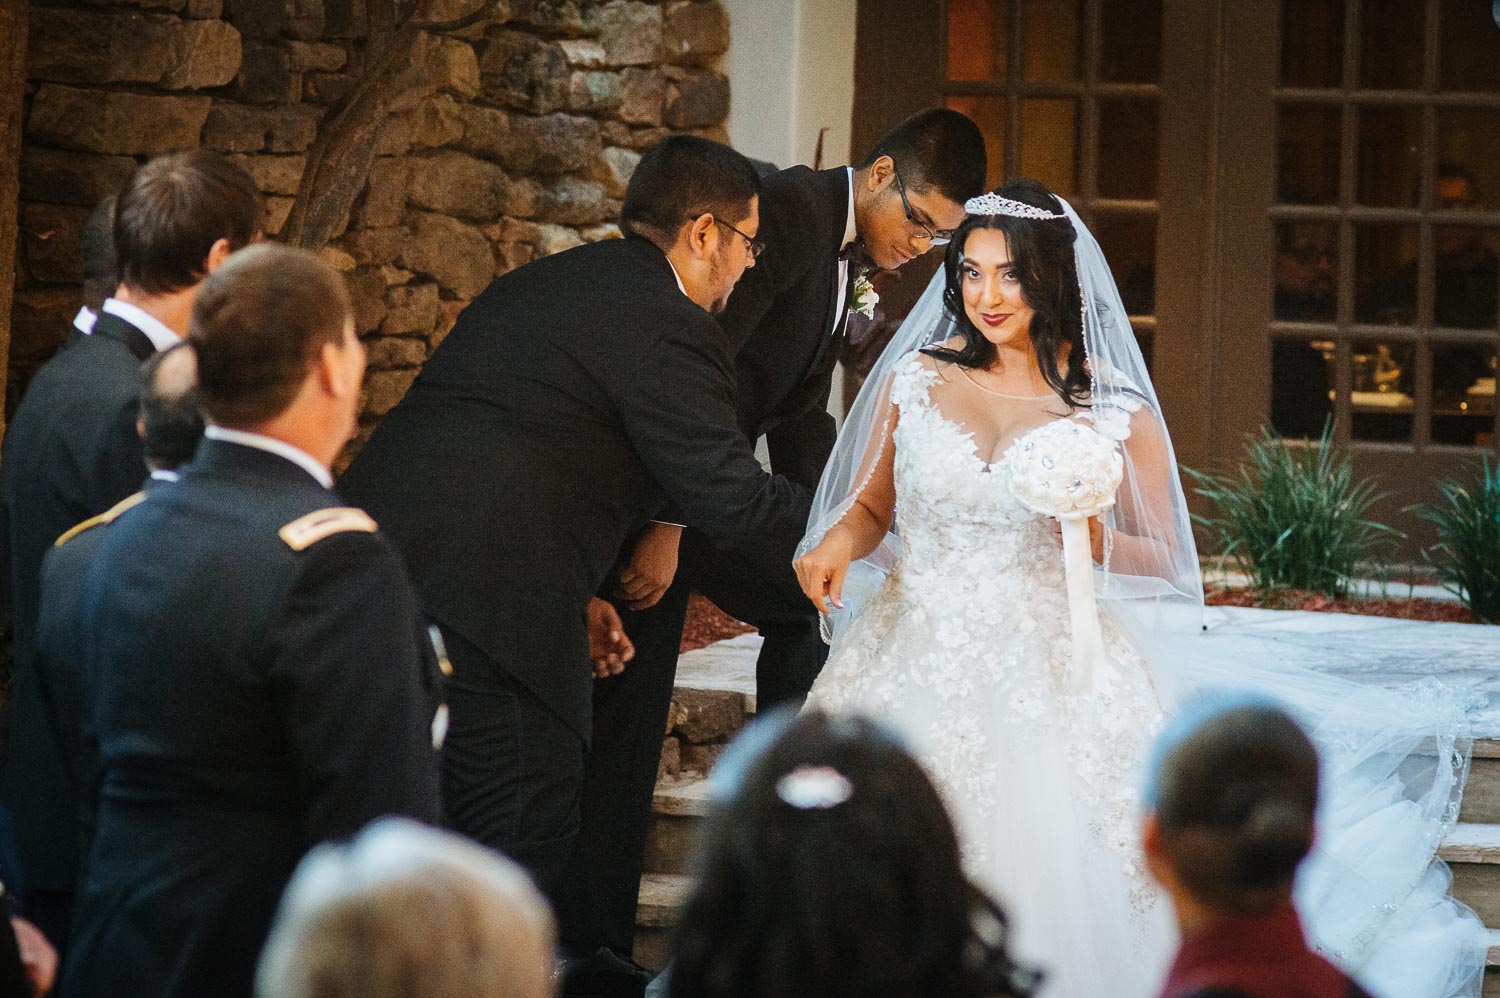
pixel 821 571
pixel 1096 536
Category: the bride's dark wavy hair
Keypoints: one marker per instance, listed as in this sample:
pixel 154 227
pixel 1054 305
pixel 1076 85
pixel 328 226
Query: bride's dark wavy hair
pixel 865 897
pixel 1041 250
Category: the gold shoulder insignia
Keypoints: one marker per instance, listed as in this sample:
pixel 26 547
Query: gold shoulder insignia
pixel 107 516
pixel 306 531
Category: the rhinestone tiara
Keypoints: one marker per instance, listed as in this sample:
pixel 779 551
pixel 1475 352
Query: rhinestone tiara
pixel 994 204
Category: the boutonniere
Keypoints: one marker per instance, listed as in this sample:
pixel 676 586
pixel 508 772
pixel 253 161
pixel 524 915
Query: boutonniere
pixel 864 299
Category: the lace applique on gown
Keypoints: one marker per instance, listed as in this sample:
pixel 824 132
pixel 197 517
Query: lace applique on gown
pixel 965 648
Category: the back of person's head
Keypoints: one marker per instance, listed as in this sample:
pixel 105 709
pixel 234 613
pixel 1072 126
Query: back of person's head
pixel 171 213
pixel 936 151
pixel 258 325
pixel 100 273
pixel 684 177
pixel 406 911
pixel 829 867
pixel 171 423
pixel 1233 791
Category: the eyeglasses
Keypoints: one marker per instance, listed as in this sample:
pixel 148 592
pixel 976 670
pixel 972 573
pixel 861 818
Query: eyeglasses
pixel 938 237
pixel 756 246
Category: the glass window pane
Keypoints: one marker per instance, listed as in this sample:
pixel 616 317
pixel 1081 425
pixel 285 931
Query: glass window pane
pixel 1463 394
pixel 1466 276
pixel 1050 41
pixel 1391 56
pixel 1468 149
pixel 1381 403
pixel 989 114
pixel 1128 132
pixel 1129 244
pixel 978 40
pixel 1312 44
pixel 1390 156
pixel 1307 256
pixel 1470 41
pixel 1049 143
pixel 1301 386
pixel 1385 274
pixel 1130 42
pixel 1307 143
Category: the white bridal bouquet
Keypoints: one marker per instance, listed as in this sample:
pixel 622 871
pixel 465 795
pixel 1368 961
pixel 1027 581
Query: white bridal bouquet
pixel 1069 470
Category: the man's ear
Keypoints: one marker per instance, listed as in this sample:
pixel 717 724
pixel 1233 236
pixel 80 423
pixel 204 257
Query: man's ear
pixel 140 428
pixel 217 254
pixel 702 235
pixel 1154 849
pixel 881 173
pixel 333 372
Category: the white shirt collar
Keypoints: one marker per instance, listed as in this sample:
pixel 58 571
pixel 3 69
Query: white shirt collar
pixel 164 475
pixel 676 276
pixel 160 335
pixel 271 445
pixel 84 320
pixel 850 232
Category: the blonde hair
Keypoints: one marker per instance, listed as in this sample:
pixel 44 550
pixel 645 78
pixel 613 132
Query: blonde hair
pixel 407 911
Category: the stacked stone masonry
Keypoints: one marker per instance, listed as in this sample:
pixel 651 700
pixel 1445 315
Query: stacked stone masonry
pixel 518 143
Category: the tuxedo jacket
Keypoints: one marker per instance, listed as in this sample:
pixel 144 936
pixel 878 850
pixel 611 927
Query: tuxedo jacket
pixel 261 682
pixel 71 452
pixel 784 322
pixel 575 399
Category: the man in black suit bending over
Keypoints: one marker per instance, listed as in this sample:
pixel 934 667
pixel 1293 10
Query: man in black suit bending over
pixel 72 450
pixel 820 228
pixel 575 400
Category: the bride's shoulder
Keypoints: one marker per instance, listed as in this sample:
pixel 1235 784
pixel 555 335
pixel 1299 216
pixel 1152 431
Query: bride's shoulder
pixel 915 372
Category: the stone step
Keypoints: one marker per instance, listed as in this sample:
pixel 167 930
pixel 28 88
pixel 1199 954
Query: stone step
pixel 1472 851
pixel 676 810
pixel 662 897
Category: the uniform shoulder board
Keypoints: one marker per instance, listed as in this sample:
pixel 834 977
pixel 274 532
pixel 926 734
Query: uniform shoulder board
pixel 107 516
pixel 304 532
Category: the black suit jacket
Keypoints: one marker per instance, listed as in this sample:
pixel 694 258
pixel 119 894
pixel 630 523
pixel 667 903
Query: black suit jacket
pixel 782 322
pixel 71 453
pixel 574 400
pixel 258 689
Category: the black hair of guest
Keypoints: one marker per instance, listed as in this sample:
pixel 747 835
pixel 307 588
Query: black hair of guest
pixel 171 421
pixel 1041 251
pixel 936 151
pixel 1235 798
pixel 684 177
pixel 846 884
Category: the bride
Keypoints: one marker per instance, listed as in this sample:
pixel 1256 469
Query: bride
pixel 949 612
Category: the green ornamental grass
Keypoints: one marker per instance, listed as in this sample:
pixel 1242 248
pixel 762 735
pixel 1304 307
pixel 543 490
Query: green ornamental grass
pixel 1467 554
pixel 1294 516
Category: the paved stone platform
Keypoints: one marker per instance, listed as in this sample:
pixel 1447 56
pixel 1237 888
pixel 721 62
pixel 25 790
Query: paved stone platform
pixel 1388 652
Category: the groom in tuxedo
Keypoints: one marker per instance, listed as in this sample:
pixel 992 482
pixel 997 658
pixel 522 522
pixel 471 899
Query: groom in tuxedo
pixel 575 400
pixel 785 321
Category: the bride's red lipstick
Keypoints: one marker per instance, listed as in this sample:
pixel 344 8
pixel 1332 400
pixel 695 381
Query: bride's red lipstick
pixel 994 318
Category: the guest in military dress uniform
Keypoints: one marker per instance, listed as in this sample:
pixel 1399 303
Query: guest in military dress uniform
pixel 72 452
pixel 261 674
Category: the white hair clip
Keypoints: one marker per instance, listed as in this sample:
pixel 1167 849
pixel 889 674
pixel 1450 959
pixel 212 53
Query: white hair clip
pixel 814 788
pixel 994 204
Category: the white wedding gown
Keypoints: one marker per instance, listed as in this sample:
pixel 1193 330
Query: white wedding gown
pixel 965 649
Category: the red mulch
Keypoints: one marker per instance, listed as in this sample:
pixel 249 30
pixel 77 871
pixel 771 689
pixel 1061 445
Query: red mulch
pixel 706 624
pixel 1298 599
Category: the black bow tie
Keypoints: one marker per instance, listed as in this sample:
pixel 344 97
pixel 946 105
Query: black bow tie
pixel 854 254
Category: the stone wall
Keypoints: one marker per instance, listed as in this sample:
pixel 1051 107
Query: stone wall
pixel 518 145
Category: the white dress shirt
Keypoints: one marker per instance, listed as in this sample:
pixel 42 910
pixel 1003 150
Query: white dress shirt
pixel 850 234
pixel 160 335
pixel 84 320
pixel 271 445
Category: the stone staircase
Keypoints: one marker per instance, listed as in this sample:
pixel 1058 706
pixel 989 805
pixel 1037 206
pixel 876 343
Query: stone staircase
pixel 715 698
